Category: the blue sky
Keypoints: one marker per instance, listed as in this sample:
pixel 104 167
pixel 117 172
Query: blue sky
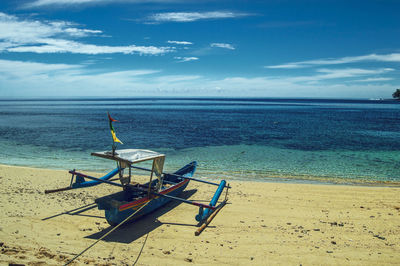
pixel 271 48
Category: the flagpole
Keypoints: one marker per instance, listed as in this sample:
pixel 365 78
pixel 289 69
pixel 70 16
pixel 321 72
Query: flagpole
pixel 114 146
pixel 114 137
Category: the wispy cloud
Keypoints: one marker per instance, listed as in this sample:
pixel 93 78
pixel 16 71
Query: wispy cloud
pixel 176 78
pixel 223 45
pixel 18 35
pixel 66 46
pixel 331 74
pixel 13 69
pixel 40 79
pixel 393 57
pixel 373 80
pixel 186 59
pixel 34 78
pixel 180 42
pixel 348 73
pixel 63 3
pixel 192 16
pixel 19 31
pixel 41 3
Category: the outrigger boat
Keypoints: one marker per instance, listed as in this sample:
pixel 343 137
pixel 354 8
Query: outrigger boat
pixel 136 200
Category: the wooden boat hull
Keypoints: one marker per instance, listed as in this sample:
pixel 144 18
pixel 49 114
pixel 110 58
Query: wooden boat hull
pixel 121 205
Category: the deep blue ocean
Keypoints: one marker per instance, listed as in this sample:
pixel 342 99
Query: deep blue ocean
pixel 242 139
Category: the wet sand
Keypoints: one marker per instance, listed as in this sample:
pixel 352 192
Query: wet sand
pixel 263 224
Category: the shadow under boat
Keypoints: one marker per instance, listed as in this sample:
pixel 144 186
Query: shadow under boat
pixel 135 229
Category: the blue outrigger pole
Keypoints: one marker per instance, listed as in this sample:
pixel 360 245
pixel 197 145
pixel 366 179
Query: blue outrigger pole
pixel 81 183
pixel 97 181
pixel 203 214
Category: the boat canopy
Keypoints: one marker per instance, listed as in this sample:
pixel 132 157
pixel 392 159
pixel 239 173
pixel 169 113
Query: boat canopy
pixel 126 157
pixel 130 156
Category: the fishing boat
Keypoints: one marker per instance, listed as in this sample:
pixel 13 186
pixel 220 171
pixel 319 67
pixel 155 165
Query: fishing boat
pixel 138 199
pixel 156 193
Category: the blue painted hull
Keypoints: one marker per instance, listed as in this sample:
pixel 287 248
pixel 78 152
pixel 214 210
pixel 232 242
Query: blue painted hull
pixel 121 205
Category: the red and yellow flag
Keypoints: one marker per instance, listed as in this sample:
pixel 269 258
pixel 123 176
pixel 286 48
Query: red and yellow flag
pixel 115 139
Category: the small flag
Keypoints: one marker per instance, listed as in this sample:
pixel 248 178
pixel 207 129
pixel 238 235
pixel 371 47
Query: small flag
pixel 115 139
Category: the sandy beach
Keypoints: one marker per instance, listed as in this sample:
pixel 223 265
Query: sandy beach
pixel 263 224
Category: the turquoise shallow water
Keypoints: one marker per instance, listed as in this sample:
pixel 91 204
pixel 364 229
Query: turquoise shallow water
pixel 242 139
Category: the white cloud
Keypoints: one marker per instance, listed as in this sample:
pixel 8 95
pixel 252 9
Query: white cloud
pixel 373 80
pixel 180 42
pixel 63 3
pixel 41 79
pixel 81 32
pixel 330 74
pixel 223 45
pixel 350 72
pixel 19 78
pixel 17 35
pixel 186 59
pixel 19 31
pixel 393 57
pixel 12 69
pixel 39 3
pixel 176 78
pixel 192 16
pixel 281 87
pixel 128 73
pixel 65 46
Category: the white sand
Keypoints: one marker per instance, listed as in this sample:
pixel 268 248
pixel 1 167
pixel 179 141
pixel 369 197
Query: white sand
pixel 264 224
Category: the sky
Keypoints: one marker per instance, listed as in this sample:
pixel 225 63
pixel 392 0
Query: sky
pixel 189 48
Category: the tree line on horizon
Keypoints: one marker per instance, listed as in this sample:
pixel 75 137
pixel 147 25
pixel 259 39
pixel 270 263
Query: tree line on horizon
pixel 396 94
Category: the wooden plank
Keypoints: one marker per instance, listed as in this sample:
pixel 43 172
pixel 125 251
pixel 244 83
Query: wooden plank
pixel 47 191
pixel 209 219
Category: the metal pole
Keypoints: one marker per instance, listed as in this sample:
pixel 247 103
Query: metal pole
pixel 178 199
pixel 101 180
pixel 151 178
pixel 185 177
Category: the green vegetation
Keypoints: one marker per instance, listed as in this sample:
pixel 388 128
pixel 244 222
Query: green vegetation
pixel 396 94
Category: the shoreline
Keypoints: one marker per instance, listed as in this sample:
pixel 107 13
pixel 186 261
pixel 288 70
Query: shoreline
pixel 289 179
pixel 263 224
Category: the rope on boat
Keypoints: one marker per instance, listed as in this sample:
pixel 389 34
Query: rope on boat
pixel 109 232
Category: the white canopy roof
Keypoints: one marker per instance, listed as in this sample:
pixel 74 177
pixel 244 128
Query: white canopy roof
pixel 129 156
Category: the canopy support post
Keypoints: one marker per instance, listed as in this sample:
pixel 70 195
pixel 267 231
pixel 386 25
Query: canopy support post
pixel 151 179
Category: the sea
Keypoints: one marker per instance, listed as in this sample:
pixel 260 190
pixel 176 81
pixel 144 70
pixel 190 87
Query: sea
pixel 249 139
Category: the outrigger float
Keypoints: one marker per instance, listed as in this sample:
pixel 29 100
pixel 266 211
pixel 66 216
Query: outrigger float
pixel 135 199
